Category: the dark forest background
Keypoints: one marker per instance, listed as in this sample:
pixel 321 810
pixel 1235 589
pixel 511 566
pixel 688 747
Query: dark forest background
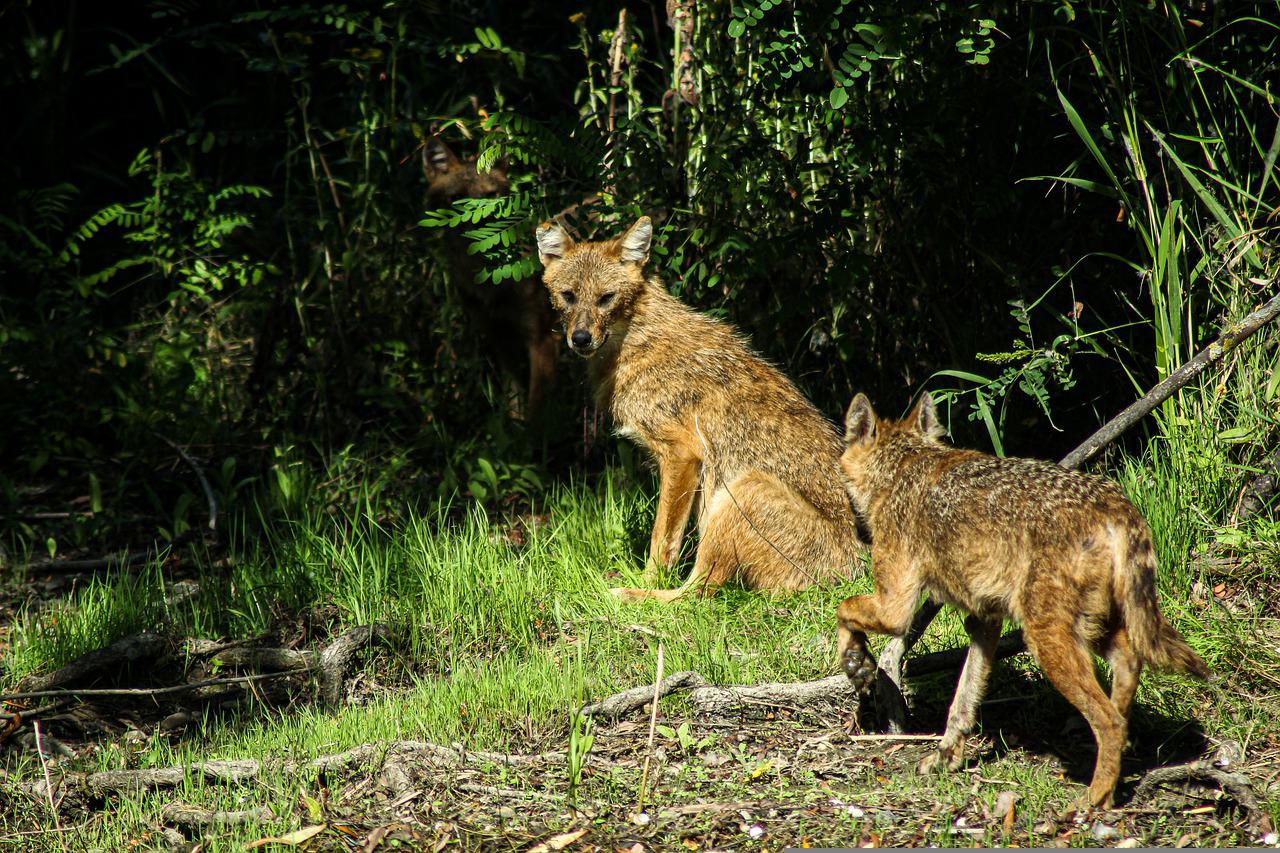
pixel 214 229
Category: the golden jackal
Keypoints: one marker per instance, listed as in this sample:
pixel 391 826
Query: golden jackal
pixel 1064 553
pixel 514 319
pixel 724 426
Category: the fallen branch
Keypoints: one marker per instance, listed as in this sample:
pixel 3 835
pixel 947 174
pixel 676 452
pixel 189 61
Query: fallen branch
pixel 404 754
pixel 266 658
pixel 623 703
pixel 339 657
pixel 118 560
pixel 331 666
pixel 1230 338
pixel 111 561
pixel 708 698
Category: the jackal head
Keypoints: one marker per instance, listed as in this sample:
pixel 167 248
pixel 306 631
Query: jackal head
pixel 450 177
pixel 593 285
pixel 866 436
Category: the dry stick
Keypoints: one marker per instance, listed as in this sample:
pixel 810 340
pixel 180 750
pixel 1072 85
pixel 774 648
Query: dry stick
pixel 1230 338
pixel 615 79
pixel 204 483
pixel 150 691
pixel 615 75
pixel 48 784
pixel 653 729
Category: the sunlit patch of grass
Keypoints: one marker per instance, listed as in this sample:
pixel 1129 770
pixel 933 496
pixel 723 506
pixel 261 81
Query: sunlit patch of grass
pixel 95 615
pixel 500 642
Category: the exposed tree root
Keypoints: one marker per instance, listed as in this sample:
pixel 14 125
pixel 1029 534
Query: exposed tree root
pixel 1235 785
pixel 338 658
pixel 399 757
pixel 134 650
pixel 182 814
pixel 708 698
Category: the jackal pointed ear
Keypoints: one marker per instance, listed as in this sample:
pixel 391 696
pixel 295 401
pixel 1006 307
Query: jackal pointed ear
pixel 860 422
pixel 438 158
pixel 553 242
pixel 633 245
pixel 924 418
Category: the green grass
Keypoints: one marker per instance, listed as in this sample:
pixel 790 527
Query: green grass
pixel 496 643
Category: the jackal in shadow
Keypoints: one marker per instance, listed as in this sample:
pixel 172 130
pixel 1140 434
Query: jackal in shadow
pixel 513 319
pixel 729 432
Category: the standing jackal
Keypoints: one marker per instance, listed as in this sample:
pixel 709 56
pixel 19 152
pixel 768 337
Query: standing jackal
pixel 1064 553
pixel 725 427
pixel 513 319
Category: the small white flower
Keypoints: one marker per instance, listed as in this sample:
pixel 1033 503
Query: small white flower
pixel 1271 839
pixel 641 818
pixel 855 812
pixel 755 830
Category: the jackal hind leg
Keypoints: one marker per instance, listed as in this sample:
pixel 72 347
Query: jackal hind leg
pixel 984 634
pixel 1067 660
pixel 1126 669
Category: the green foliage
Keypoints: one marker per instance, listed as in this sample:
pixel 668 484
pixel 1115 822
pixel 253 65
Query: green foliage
pixel 853 184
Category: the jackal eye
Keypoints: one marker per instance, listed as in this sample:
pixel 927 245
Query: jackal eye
pixel 604 301
pixel 568 297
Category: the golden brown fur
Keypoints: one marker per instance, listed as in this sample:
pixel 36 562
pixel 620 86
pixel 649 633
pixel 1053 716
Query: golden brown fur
pixel 514 318
pixel 725 428
pixel 1062 552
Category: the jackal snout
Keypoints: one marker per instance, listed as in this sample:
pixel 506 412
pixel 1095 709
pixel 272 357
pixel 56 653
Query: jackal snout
pixel 593 285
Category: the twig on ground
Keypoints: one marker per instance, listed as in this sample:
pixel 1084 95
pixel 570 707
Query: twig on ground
pixel 148 691
pixel 48 785
pixel 891 738
pixel 204 483
pixel 653 729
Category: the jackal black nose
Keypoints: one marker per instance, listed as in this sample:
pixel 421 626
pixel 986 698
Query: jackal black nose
pixel 581 338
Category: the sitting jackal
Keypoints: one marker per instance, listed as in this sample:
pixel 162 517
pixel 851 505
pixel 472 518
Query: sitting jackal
pixel 726 429
pixel 1062 552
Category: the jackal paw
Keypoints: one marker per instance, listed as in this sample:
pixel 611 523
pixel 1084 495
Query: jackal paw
pixel 624 593
pixel 860 666
pixel 940 759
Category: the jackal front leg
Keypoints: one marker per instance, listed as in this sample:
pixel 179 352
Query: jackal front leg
pixel 888 611
pixel 678 474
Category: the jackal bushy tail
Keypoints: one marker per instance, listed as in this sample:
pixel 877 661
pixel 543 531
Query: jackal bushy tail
pixel 1156 641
